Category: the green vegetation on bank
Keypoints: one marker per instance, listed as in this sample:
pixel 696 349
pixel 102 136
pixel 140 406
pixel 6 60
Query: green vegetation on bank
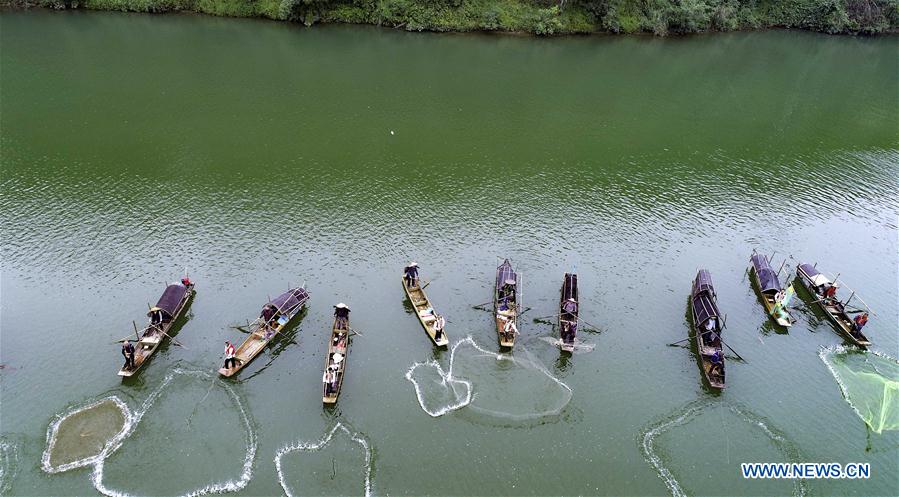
pixel 542 17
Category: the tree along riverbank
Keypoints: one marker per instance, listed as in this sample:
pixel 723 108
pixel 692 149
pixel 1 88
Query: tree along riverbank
pixel 541 17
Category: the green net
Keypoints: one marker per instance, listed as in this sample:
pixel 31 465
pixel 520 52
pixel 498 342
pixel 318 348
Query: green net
pixel 870 384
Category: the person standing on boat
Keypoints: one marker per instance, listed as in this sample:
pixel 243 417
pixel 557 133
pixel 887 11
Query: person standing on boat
pixel 128 352
pixel 268 314
pixel 411 272
pixel 509 329
pixel 859 322
pixel 230 355
pixel 329 380
pixel 439 323
pixel 155 316
pixel 342 313
pixel 830 292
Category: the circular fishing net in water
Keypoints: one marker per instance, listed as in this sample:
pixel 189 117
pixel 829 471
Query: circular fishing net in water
pixel 869 382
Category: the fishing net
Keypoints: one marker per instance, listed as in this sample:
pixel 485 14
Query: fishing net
pixel 505 386
pixel 78 437
pixel 869 382
pixel 337 464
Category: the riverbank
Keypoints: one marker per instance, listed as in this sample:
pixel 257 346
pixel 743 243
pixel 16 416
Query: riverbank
pixel 659 17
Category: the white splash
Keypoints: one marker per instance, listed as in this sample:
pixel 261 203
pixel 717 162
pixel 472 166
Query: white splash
pixel 580 347
pixel 320 444
pixel 9 457
pixel 132 419
pixel 112 444
pixel 448 379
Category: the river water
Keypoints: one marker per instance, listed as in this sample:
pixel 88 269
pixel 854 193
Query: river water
pixel 258 155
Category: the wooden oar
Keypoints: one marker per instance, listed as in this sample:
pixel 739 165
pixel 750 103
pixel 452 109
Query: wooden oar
pixel 674 344
pixel 588 324
pixel 176 342
pixel 735 352
pixel 544 317
pixel 482 305
pixel 354 330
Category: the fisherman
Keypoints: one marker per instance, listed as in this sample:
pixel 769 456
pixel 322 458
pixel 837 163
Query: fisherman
pixel 230 355
pixel 709 328
pixel 268 314
pixel 572 331
pixel 155 316
pixel 831 292
pixel 509 329
pixel 328 379
pixel 859 322
pixel 439 323
pixel 185 281
pixel 717 366
pixel 340 341
pixel 128 352
pixel 342 313
pixel 570 307
pixel 411 274
pixel 507 291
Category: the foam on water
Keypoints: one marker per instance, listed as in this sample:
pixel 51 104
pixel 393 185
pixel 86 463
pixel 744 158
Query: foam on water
pixel 873 395
pixel 580 347
pixel 53 435
pixel 318 445
pixel 9 458
pixel 463 391
pixel 691 411
pixel 132 420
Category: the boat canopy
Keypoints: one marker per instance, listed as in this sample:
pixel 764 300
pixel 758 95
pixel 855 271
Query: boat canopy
pixel 170 299
pixel 290 299
pixel 814 275
pixel 704 308
pixel 569 287
pixel 703 283
pixel 767 277
pixel 504 272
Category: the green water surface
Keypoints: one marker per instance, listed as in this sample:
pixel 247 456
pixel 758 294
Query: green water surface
pixel 258 155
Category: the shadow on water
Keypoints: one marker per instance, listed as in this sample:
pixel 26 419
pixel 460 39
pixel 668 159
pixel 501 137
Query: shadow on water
pixel 278 344
pixel 182 320
pixel 563 362
pixel 407 305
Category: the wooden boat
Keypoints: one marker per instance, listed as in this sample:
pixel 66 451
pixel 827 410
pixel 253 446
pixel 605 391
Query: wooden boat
pixel 837 311
pixel 506 305
pixel 287 305
pixel 773 295
pixel 335 361
pixel 568 320
pixel 425 313
pixel 707 327
pixel 162 316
